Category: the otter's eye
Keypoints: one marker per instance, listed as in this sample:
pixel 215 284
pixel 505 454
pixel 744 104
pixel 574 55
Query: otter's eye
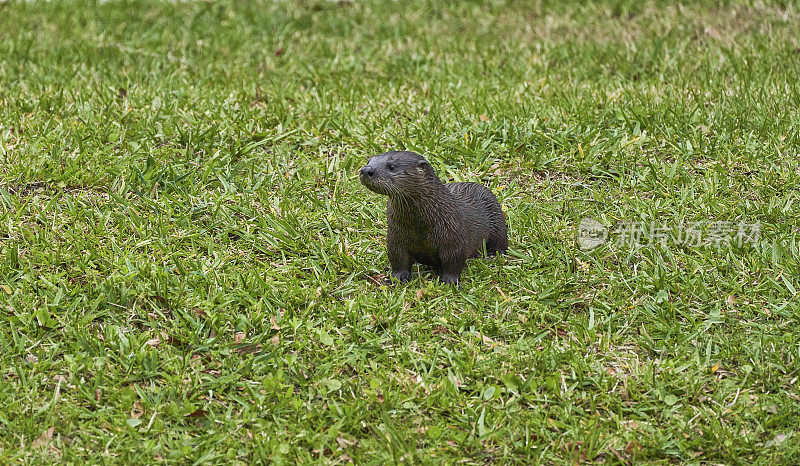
pixel 390 167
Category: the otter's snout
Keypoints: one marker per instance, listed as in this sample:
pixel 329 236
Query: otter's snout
pixel 373 179
pixel 367 171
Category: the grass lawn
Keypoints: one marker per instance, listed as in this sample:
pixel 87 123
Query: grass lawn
pixel 190 269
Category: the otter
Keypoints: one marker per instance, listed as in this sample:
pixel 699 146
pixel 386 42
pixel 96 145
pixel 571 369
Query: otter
pixel 436 224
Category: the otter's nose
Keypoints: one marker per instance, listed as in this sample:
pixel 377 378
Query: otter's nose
pixel 367 171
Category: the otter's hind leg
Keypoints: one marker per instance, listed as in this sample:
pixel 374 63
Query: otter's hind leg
pixel 496 244
pixel 497 237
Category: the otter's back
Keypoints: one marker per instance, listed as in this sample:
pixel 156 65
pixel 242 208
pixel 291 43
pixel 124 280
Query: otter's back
pixel 488 207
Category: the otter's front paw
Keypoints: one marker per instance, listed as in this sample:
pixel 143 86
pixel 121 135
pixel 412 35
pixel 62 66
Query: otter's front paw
pixel 449 279
pixel 402 275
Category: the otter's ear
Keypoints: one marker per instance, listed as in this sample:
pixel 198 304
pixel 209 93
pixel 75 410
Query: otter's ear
pixel 423 164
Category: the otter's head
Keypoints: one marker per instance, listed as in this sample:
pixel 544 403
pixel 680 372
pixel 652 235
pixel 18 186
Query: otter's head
pixel 398 173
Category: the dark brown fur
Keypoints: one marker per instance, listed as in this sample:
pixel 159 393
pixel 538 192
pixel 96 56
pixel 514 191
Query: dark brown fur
pixel 430 222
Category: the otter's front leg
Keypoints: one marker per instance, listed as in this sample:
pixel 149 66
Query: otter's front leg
pixel 400 261
pixel 452 265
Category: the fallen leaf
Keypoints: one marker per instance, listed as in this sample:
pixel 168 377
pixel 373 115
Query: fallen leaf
pixel 420 292
pixel 239 337
pixel 632 447
pixel 772 409
pixel 153 342
pixel 712 32
pixel 274 323
pixel 488 341
pixel 322 451
pixel 416 379
pixel 484 118
pixel 631 425
pixel 45 438
pixel 136 410
pixel 344 443
pixel 158 298
pixel 572 446
pixel 378 279
pixel 576 447
pixel 779 439
pixel 616 453
pixel 172 341
pixel 248 349
pixel 457 382
pixel 197 413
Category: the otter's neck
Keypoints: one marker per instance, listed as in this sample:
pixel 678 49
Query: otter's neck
pixel 424 204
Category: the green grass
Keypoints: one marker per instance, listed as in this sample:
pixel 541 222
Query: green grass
pixel 188 261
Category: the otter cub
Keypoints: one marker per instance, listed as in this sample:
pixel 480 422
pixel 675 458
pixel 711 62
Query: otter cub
pixel 430 222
